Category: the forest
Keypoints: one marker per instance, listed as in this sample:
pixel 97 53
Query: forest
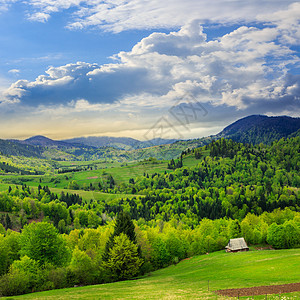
pixel 49 240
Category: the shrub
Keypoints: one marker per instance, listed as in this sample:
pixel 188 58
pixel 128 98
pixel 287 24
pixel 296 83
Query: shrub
pixel 15 283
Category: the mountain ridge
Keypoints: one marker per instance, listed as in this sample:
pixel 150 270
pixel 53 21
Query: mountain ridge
pixel 40 140
pixel 252 129
pixel 255 129
pixel 125 143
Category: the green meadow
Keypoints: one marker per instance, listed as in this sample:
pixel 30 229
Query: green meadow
pixel 197 278
pixel 120 172
pixel 86 195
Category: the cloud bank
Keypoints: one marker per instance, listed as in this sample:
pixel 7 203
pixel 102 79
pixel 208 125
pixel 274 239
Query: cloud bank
pixel 237 69
pixel 245 71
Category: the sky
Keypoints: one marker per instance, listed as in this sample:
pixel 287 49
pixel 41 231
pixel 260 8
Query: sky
pixel 145 69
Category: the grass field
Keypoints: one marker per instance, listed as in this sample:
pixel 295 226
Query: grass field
pixel 120 172
pixel 189 279
pixel 86 195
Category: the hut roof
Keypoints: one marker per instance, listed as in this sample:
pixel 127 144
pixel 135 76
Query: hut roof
pixel 237 244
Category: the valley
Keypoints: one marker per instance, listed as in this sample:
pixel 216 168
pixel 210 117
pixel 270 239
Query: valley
pixel 165 214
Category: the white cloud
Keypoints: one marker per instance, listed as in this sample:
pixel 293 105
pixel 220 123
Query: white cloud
pixel 4 4
pixel 14 71
pixel 39 17
pixel 120 15
pixel 240 73
pixel 244 64
pixel 287 21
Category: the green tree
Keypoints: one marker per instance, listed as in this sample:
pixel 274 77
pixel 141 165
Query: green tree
pixel 41 242
pixel 73 185
pixel 8 223
pixel 161 256
pixel 124 225
pixel 82 266
pixel 124 261
pixel 275 236
pixel 31 269
pixel 2 229
pixel 12 240
pixel 4 258
pixel 291 234
pixel 62 226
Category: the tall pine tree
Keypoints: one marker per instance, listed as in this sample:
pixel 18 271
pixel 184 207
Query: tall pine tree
pixel 124 225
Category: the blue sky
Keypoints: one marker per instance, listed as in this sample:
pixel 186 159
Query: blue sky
pixel 145 69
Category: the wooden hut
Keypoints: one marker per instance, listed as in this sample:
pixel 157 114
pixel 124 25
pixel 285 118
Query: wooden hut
pixel 236 245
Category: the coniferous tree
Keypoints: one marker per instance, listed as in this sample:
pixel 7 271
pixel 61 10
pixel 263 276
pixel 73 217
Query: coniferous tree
pixel 8 224
pixel 124 225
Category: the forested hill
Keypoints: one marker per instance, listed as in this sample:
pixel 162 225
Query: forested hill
pixel 294 134
pixel 230 180
pixel 43 141
pixel 260 129
pixel 193 206
pixel 17 149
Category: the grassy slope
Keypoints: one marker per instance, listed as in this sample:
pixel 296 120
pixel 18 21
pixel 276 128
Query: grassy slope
pixel 120 174
pixel 189 279
pixel 86 195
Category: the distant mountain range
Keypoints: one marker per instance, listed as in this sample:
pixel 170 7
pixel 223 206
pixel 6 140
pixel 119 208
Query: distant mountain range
pixel 43 141
pixel 252 129
pixel 123 143
pixel 118 142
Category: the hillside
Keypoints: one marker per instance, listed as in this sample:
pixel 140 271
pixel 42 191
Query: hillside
pixel 260 129
pixel 174 210
pixel 56 150
pixel 202 188
pixel 189 279
pixel 17 149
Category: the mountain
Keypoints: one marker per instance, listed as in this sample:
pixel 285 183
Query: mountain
pixel 118 142
pixel 17 149
pixel 257 129
pixel 43 141
pixel 157 142
pixel 252 129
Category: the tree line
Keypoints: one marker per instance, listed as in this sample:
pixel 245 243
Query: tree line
pixel 40 258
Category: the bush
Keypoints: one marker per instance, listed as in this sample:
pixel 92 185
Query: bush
pixel 15 283
pixel 284 236
pixel 58 278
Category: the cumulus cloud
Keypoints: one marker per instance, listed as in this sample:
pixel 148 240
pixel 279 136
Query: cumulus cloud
pixel 246 71
pixel 287 21
pixel 244 64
